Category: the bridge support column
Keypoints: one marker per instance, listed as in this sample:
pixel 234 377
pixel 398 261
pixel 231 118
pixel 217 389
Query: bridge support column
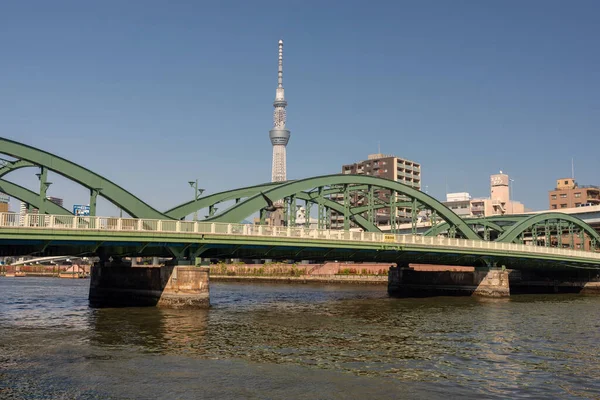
pixel 550 281
pixel 169 286
pixel 406 282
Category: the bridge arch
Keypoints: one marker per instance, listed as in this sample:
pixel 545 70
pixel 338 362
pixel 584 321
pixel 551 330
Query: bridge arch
pixel 32 198
pixel 551 220
pixel 104 187
pixel 444 226
pixel 295 188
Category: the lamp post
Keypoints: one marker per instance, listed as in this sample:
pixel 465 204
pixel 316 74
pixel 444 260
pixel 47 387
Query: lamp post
pixel 197 194
pixel 510 194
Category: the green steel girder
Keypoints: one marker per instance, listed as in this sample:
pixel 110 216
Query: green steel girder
pixel 10 166
pixel 189 207
pixel 242 210
pixel 111 191
pixel 339 208
pixel 180 211
pixel 27 196
pixel 439 228
pixel 512 233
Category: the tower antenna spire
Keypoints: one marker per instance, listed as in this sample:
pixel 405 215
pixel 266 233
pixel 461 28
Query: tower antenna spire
pixel 280 67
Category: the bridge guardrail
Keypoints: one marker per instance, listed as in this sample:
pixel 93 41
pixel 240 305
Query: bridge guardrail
pixel 72 222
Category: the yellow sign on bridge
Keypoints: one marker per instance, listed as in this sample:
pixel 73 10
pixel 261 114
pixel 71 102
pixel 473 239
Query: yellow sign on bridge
pixel 389 238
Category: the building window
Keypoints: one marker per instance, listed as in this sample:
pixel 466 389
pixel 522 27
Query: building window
pixel 566 182
pixel 554 206
pixel 553 197
pixel 577 204
pixel 563 206
pixel 563 196
pixel 577 195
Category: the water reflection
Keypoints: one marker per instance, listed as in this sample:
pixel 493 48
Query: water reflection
pixel 150 330
pixel 525 346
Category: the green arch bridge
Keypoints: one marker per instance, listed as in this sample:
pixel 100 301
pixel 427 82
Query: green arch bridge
pixel 357 204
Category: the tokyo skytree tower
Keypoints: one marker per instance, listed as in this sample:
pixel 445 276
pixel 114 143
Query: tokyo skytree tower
pixel 279 135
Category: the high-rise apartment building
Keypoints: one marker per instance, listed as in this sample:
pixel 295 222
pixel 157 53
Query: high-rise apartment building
pixel 4 202
pixel 382 166
pixel 568 194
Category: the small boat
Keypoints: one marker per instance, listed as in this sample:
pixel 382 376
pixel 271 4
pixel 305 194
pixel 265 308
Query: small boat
pixel 72 275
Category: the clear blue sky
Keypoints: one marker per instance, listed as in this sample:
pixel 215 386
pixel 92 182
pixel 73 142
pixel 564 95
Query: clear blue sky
pixel 152 94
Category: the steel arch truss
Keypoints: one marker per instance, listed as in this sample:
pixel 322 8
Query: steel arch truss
pixel 551 228
pixel 28 156
pixel 353 198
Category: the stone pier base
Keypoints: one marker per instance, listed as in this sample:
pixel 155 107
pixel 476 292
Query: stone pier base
pixel 549 282
pixel 166 286
pixel 406 282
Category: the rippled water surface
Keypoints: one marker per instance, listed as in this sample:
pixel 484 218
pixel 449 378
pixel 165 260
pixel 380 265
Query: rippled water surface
pixel 296 342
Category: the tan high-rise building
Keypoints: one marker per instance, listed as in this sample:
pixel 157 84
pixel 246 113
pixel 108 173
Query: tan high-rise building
pixel 382 166
pixel 4 202
pixel 568 194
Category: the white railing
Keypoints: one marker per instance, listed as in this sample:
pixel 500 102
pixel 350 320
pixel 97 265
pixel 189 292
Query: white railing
pixel 71 222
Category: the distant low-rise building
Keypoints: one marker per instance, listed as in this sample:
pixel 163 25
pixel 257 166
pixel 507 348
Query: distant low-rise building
pixel 56 200
pixel 499 202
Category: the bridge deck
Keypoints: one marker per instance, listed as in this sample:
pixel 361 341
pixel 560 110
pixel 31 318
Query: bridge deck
pixel 60 234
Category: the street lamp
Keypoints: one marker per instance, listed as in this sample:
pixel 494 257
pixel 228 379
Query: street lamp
pixel 197 194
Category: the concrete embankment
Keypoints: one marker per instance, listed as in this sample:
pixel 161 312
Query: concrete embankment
pixel 352 279
pixel 331 272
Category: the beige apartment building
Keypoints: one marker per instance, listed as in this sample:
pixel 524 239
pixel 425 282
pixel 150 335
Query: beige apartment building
pixel 382 166
pixel 568 194
pixel 499 202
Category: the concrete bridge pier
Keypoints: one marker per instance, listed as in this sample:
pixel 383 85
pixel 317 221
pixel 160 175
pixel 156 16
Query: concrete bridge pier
pixel 170 286
pixel 485 282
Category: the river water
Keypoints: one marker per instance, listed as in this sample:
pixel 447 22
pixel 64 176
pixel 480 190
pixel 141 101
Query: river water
pixel 261 341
